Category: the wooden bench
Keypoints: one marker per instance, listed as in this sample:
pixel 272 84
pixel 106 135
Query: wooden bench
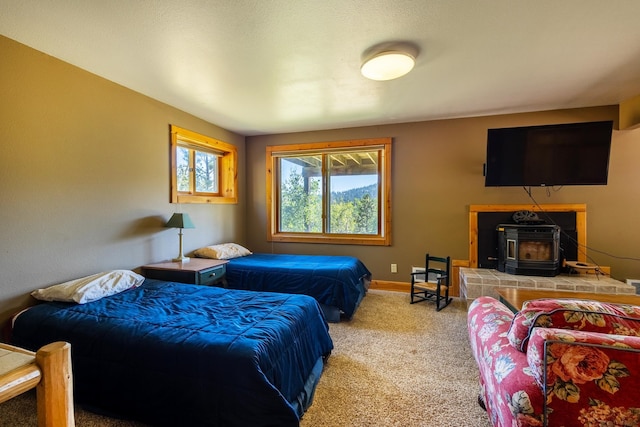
pixel 49 371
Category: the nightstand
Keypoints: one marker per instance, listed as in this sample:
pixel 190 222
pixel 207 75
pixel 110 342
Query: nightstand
pixel 198 271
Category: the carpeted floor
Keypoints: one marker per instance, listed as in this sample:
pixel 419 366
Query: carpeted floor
pixel 398 364
pixel 394 364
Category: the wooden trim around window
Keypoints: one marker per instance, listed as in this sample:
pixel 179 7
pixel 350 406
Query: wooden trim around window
pixel 227 168
pixel 384 237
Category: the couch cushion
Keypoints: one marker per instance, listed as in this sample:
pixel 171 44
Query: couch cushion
pixel 588 378
pixel 569 360
pixel 583 315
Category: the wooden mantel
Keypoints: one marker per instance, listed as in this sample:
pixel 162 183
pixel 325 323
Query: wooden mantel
pixel 579 209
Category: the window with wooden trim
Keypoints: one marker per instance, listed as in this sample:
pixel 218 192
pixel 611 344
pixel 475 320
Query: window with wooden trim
pixel 330 192
pixel 203 169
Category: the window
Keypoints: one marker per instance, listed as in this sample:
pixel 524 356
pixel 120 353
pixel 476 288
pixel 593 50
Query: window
pixel 331 192
pixel 203 169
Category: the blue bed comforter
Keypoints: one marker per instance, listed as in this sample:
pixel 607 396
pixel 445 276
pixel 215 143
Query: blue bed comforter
pixel 176 354
pixel 336 281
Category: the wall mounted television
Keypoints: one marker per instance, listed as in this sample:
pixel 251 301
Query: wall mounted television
pixel 549 155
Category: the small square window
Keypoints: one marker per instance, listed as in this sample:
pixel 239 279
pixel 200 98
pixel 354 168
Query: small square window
pixel 203 169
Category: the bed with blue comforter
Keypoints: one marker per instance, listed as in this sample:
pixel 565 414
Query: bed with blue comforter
pixel 176 354
pixel 338 283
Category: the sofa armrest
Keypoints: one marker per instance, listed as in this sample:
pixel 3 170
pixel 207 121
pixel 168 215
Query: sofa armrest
pixel 510 393
pixel 588 378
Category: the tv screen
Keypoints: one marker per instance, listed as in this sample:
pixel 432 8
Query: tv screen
pixel 565 154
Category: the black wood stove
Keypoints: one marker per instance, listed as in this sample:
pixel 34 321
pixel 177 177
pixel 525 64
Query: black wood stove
pixel 529 249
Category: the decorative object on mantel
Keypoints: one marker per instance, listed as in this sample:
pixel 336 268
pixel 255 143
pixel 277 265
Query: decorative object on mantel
pixel 180 220
pixel 526 217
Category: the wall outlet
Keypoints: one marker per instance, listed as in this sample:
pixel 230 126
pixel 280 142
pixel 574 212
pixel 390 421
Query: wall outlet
pixel 394 268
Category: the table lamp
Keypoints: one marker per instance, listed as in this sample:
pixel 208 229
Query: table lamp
pixel 180 220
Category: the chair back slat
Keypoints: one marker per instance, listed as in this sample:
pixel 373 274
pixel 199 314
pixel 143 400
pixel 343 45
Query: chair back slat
pixel 443 266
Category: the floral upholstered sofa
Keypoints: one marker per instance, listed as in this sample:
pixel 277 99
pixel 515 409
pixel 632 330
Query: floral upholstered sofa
pixel 557 362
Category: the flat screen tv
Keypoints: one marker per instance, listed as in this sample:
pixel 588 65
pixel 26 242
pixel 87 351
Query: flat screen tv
pixel 550 155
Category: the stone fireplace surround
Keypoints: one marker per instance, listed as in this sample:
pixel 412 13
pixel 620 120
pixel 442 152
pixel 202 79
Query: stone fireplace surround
pixel 475 282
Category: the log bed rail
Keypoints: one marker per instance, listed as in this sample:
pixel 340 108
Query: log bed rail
pixel 49 371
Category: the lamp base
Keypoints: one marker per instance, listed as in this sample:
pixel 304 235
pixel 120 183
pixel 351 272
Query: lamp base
pixel 181 259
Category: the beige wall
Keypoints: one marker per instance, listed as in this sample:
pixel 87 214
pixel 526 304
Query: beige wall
pixel 84 177
pixel 437 174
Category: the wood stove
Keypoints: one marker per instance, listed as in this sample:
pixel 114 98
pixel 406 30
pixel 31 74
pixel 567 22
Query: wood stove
pixel 530 249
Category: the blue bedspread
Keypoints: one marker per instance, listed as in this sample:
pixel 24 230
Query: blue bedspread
pixel 177 354
pixel 336 281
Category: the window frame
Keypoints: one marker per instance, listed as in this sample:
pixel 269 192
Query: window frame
pixel 227 167
pixel 273 153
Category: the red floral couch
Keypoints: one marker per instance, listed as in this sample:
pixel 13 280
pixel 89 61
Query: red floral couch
pixel 557 362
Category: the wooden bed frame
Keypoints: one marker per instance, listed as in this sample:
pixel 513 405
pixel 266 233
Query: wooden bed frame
pixel 49 371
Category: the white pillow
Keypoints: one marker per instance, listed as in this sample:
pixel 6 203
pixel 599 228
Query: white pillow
pixel 90 288
pixel 222 251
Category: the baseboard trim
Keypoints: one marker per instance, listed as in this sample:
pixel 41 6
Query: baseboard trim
pixel 384 285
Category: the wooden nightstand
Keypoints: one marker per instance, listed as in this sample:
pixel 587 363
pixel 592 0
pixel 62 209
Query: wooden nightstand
pixel 198 271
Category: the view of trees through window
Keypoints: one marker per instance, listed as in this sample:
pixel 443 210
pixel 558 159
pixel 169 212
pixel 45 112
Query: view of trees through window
pixel 352 205
pixel 203 169
pixel 198 167
pixel 332 192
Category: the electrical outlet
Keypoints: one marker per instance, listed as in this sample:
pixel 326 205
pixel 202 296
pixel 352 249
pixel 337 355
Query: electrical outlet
pixel 394 268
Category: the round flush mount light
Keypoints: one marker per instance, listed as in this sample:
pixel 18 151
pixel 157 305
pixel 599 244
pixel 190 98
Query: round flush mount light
pixel 388 61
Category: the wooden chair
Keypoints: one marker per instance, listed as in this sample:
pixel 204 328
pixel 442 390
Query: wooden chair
pixel 49 371
pixel 435 283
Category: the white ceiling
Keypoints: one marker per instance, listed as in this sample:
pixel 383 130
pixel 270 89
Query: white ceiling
pixel 273 66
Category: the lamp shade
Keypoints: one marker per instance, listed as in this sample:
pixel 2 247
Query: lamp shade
pixel 180 220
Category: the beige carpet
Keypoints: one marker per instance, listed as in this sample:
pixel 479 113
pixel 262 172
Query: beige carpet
pixel 394 364
pixel 398 364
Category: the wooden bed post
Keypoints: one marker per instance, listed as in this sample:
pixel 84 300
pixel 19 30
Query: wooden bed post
pixel 55 389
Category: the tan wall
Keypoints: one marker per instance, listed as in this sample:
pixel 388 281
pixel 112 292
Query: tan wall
pixel 437 174
pixel 84 177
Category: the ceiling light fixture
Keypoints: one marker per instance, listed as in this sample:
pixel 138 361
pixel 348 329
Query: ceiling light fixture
pixel 388 61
